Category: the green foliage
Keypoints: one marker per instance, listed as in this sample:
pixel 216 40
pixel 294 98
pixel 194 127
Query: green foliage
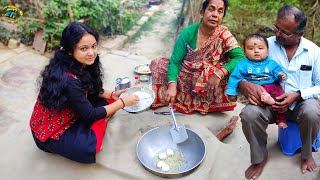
pixel 108 16
pixel 23 37
pixel 257 16
pixel 147 26
pixel 172 31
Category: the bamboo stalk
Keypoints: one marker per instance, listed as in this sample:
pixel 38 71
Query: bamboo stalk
pixel 191 9
pixel 39 8
pixel 70 13
pixel 199 10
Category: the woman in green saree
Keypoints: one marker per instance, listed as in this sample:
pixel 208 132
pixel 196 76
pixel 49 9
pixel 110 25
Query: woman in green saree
pixel 196 75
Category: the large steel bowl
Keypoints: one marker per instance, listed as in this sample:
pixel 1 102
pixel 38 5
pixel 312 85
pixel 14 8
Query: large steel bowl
pixel 158 140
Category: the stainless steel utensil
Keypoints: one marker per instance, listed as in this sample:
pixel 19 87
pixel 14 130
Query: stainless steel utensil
pixel 136 70
pixel 158 140
pixel 178 132
pixel 122 83
pixel 144 103
pixel 169 113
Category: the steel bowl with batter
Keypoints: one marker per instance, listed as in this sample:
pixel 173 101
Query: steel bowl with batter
pixel 144 103
pixel 157 140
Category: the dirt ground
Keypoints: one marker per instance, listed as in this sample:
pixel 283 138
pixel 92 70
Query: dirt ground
pixel 160 40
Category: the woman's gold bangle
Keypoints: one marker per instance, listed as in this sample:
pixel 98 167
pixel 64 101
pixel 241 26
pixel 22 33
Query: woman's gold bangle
pixel 215 73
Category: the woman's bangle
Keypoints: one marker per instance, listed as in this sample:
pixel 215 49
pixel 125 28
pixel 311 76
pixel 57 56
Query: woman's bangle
pixel 224 73
pixel 122 102
pixel 111 95
pixel 171 82
pixel 218 75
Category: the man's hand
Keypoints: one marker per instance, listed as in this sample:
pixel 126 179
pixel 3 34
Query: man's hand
pixel 252 92
pixel 287 99
pixel 171 92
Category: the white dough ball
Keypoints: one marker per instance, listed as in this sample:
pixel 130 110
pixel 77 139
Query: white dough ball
pixel 165 167
pixel 160 164
pixel 170 152
pixel 162 156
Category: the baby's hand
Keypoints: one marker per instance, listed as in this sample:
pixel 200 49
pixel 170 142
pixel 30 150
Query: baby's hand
pixel 282 76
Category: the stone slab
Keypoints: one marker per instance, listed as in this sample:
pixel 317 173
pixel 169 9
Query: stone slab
pixel 19 50
pixel 116 43
pixel 142 20
pixel 39 43
pixel 6 55
pixel 149 13
pixel 13 43
pixel 120 53
pixel 2 46
pixel 133 31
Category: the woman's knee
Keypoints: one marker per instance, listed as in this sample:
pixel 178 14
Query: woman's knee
pixel 155 63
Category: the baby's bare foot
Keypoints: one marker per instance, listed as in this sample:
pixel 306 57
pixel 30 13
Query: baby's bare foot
pixel 282 125
pixel 267 99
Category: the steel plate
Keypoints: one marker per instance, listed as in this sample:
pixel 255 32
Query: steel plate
pixel 146 96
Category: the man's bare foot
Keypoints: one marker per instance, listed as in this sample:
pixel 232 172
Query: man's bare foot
pixel 308 164
pixel 254 170
pixel 282 125
pixel 267 99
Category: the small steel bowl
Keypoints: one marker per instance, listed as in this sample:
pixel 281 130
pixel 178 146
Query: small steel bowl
pixel 159 139
pixel 144 78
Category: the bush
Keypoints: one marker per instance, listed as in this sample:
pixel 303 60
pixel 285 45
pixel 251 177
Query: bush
pixel 107 16
pixel 257 16
pixel 23 37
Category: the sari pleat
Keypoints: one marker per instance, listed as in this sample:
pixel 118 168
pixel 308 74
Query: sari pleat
pixel 197 67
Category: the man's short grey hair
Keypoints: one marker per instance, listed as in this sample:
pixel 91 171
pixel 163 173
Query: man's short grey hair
pixel 299 16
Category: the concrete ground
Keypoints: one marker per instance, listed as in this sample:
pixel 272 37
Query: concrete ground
pixel 21 159
pixel 19 69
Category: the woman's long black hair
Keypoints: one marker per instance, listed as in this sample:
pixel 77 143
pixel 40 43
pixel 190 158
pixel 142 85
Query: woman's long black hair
pixel 53 79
